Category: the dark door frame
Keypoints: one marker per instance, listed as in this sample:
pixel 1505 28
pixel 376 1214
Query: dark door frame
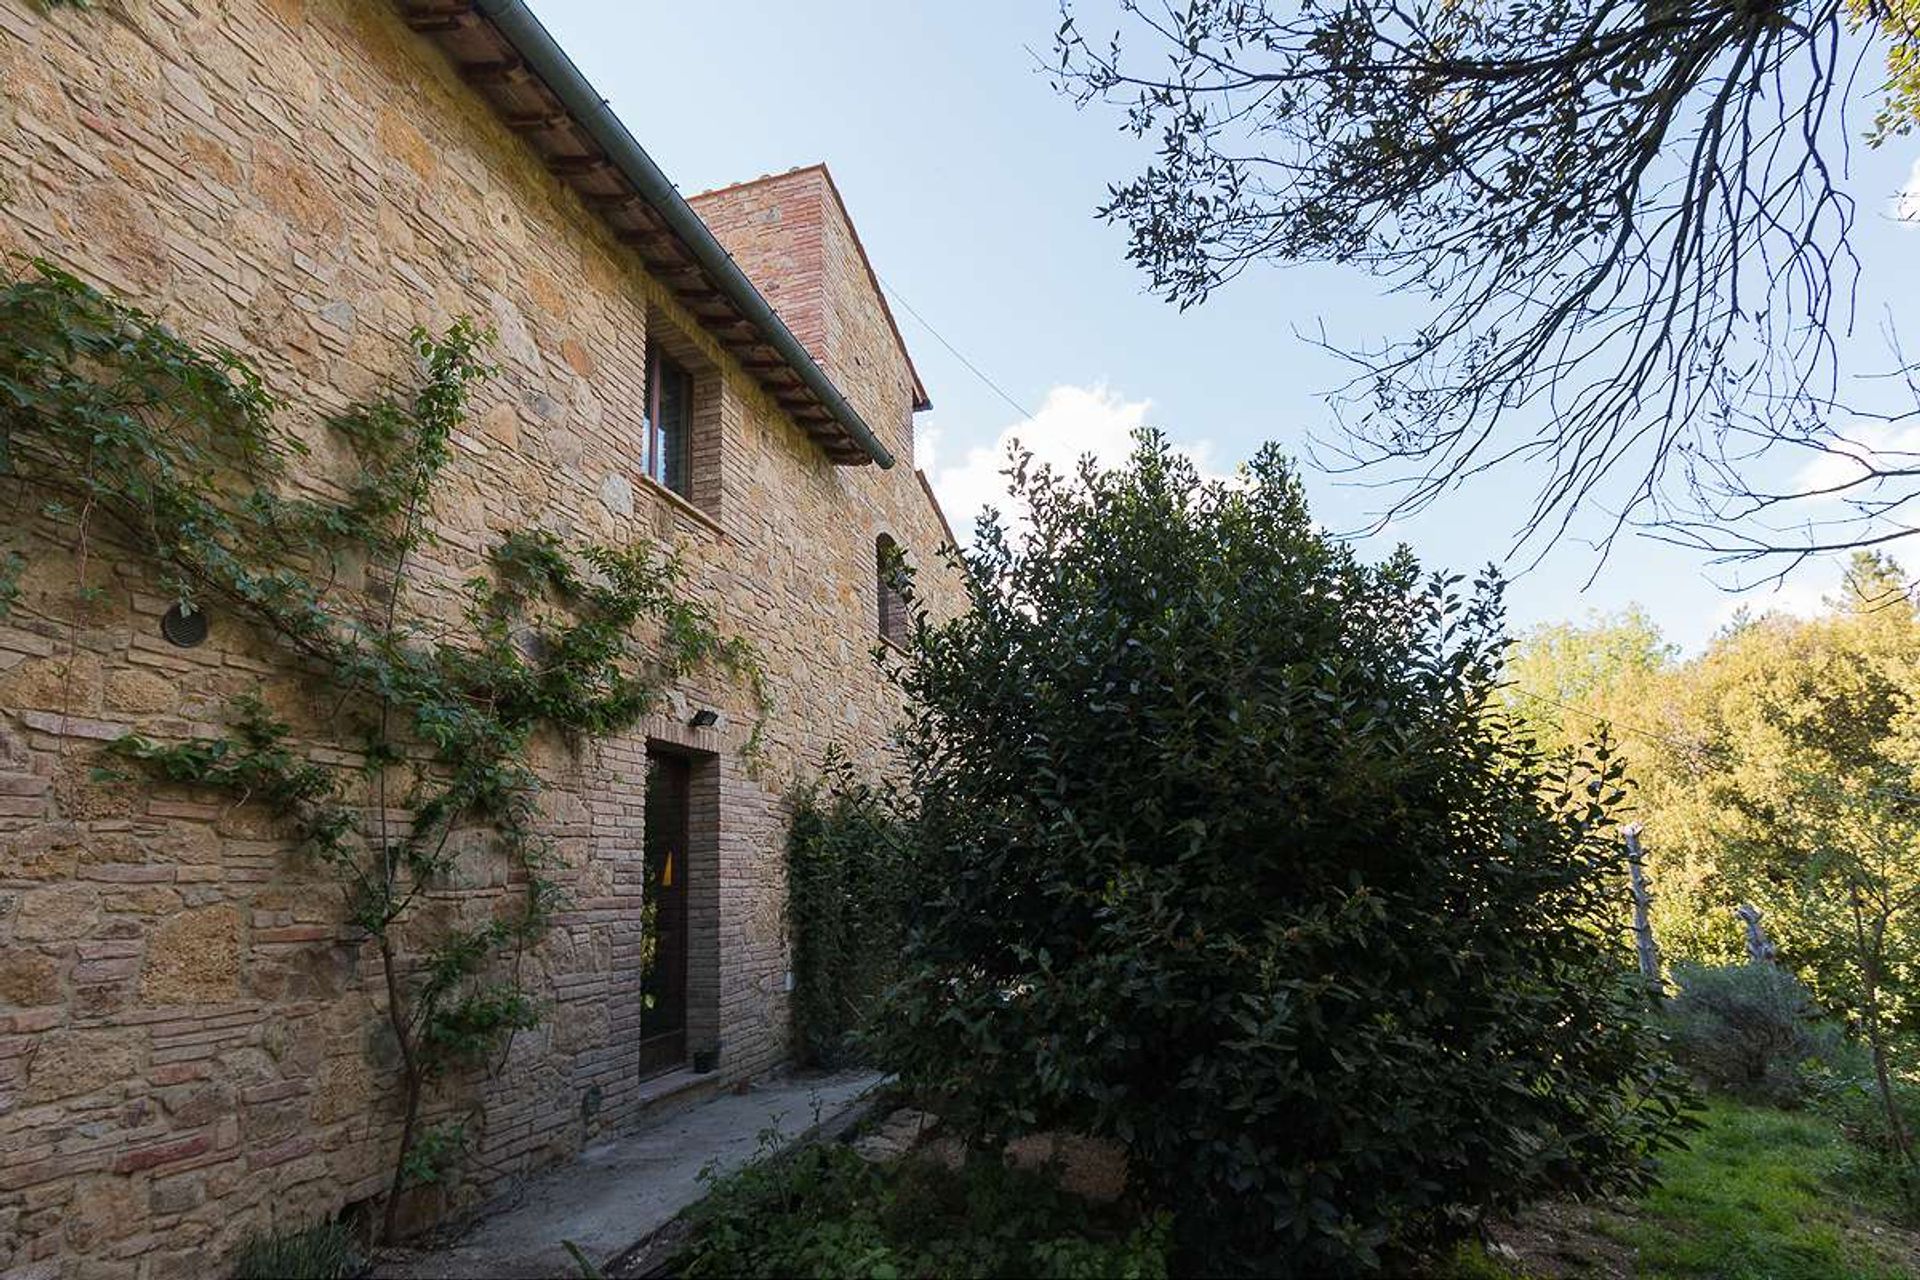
pixel 667 862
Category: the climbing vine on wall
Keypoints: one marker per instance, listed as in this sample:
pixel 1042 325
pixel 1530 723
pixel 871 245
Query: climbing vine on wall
pixel 848 883
pixel 176 451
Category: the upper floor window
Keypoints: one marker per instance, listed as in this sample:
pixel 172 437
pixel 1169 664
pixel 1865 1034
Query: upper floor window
pixel 669 420
pixel 890 573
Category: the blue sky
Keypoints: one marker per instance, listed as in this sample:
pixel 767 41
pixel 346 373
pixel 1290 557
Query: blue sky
pixel 973 185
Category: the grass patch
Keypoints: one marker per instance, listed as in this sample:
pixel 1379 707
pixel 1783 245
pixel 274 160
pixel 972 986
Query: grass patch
pixel 323 1252
pixel 1753 1197
pixel 822 1211
pixel 1758 1196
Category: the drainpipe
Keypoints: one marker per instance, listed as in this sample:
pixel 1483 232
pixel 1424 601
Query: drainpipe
pixel 550 62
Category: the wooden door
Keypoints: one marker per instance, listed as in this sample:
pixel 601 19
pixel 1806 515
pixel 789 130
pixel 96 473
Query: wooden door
pixel 663 971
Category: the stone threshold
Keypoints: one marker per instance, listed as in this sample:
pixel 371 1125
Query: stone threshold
pixel 661 1095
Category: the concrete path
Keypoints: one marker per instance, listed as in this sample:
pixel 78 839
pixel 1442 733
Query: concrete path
pixel 625 1188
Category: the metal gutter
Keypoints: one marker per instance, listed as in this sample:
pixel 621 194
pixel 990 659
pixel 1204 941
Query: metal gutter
pixel 545 58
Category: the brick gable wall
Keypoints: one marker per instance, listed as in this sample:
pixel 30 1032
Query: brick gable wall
pixel 791 236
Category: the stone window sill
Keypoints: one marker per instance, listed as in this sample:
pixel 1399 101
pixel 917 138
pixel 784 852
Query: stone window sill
pixel 681 505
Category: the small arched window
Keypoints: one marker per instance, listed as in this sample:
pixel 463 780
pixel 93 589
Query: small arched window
pixel 890 578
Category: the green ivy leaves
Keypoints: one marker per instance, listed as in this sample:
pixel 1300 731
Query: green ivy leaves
pixel 175 449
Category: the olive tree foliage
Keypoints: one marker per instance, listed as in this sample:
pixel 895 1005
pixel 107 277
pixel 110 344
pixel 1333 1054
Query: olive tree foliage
pixel 1628 221
pixel 1225 851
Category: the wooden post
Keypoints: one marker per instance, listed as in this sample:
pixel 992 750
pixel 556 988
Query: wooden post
pixel 1759 947
pixel 1643 942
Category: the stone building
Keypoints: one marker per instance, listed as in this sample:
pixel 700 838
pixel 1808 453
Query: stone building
pixel 186 1053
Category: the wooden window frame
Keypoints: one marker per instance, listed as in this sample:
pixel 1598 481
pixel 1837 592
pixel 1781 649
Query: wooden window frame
pixel 669 447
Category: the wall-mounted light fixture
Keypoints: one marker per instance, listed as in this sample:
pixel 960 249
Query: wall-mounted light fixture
pixel 705 718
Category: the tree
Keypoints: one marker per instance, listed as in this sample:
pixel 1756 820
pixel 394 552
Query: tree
pixel 1781 767
pixel 1566 677
pixel 1750 765
pixel 1898 20
pixel 1626 218
pixel 1224 851
pixel 1862 830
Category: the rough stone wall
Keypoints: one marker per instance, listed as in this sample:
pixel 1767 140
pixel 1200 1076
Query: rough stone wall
pixel 186 1046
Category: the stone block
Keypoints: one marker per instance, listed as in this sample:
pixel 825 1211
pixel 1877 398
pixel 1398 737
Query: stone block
pixel 132 689
pixel 898 1134
pixel 165 1153
pixel 28 978
pixel 346 1088
pixel 191 1107
pixel 104 1208
pixel 46 851
pixel 59 914
pixel 1091 1168
pixel 56 683
pixel 189 843
pixel 84 798
pixel 194 958
pixel 281 1152
pixel 168 1196
pixel 184 1264
pixel 70 725
pixel 399 139
pixel 289 185
pixel 148 900
pixel 69 1063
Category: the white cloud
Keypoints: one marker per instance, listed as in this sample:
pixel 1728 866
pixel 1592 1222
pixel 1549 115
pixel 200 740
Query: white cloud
pixel 1072 422
pixel 1864 446
pixel 1906 205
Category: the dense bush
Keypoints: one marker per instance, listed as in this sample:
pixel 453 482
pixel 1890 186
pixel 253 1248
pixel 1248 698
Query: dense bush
pixel 824 1212
pixel 1748 1029
pixel 1225 851
pixel 845 908
pixel 1843 1089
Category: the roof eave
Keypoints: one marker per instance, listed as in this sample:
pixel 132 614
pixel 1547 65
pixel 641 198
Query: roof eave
pixel 501 48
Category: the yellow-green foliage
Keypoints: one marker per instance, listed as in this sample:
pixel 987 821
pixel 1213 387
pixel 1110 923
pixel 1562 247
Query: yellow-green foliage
pixel 1898 22
pixel 1562 675
pixel 1774 768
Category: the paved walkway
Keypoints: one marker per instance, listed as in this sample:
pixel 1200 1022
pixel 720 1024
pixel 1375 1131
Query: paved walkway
pixel 625 1188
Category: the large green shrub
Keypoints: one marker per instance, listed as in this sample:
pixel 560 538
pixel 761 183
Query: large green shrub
pixel 846 880
pixel 1748 1029
pixel 1225 851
